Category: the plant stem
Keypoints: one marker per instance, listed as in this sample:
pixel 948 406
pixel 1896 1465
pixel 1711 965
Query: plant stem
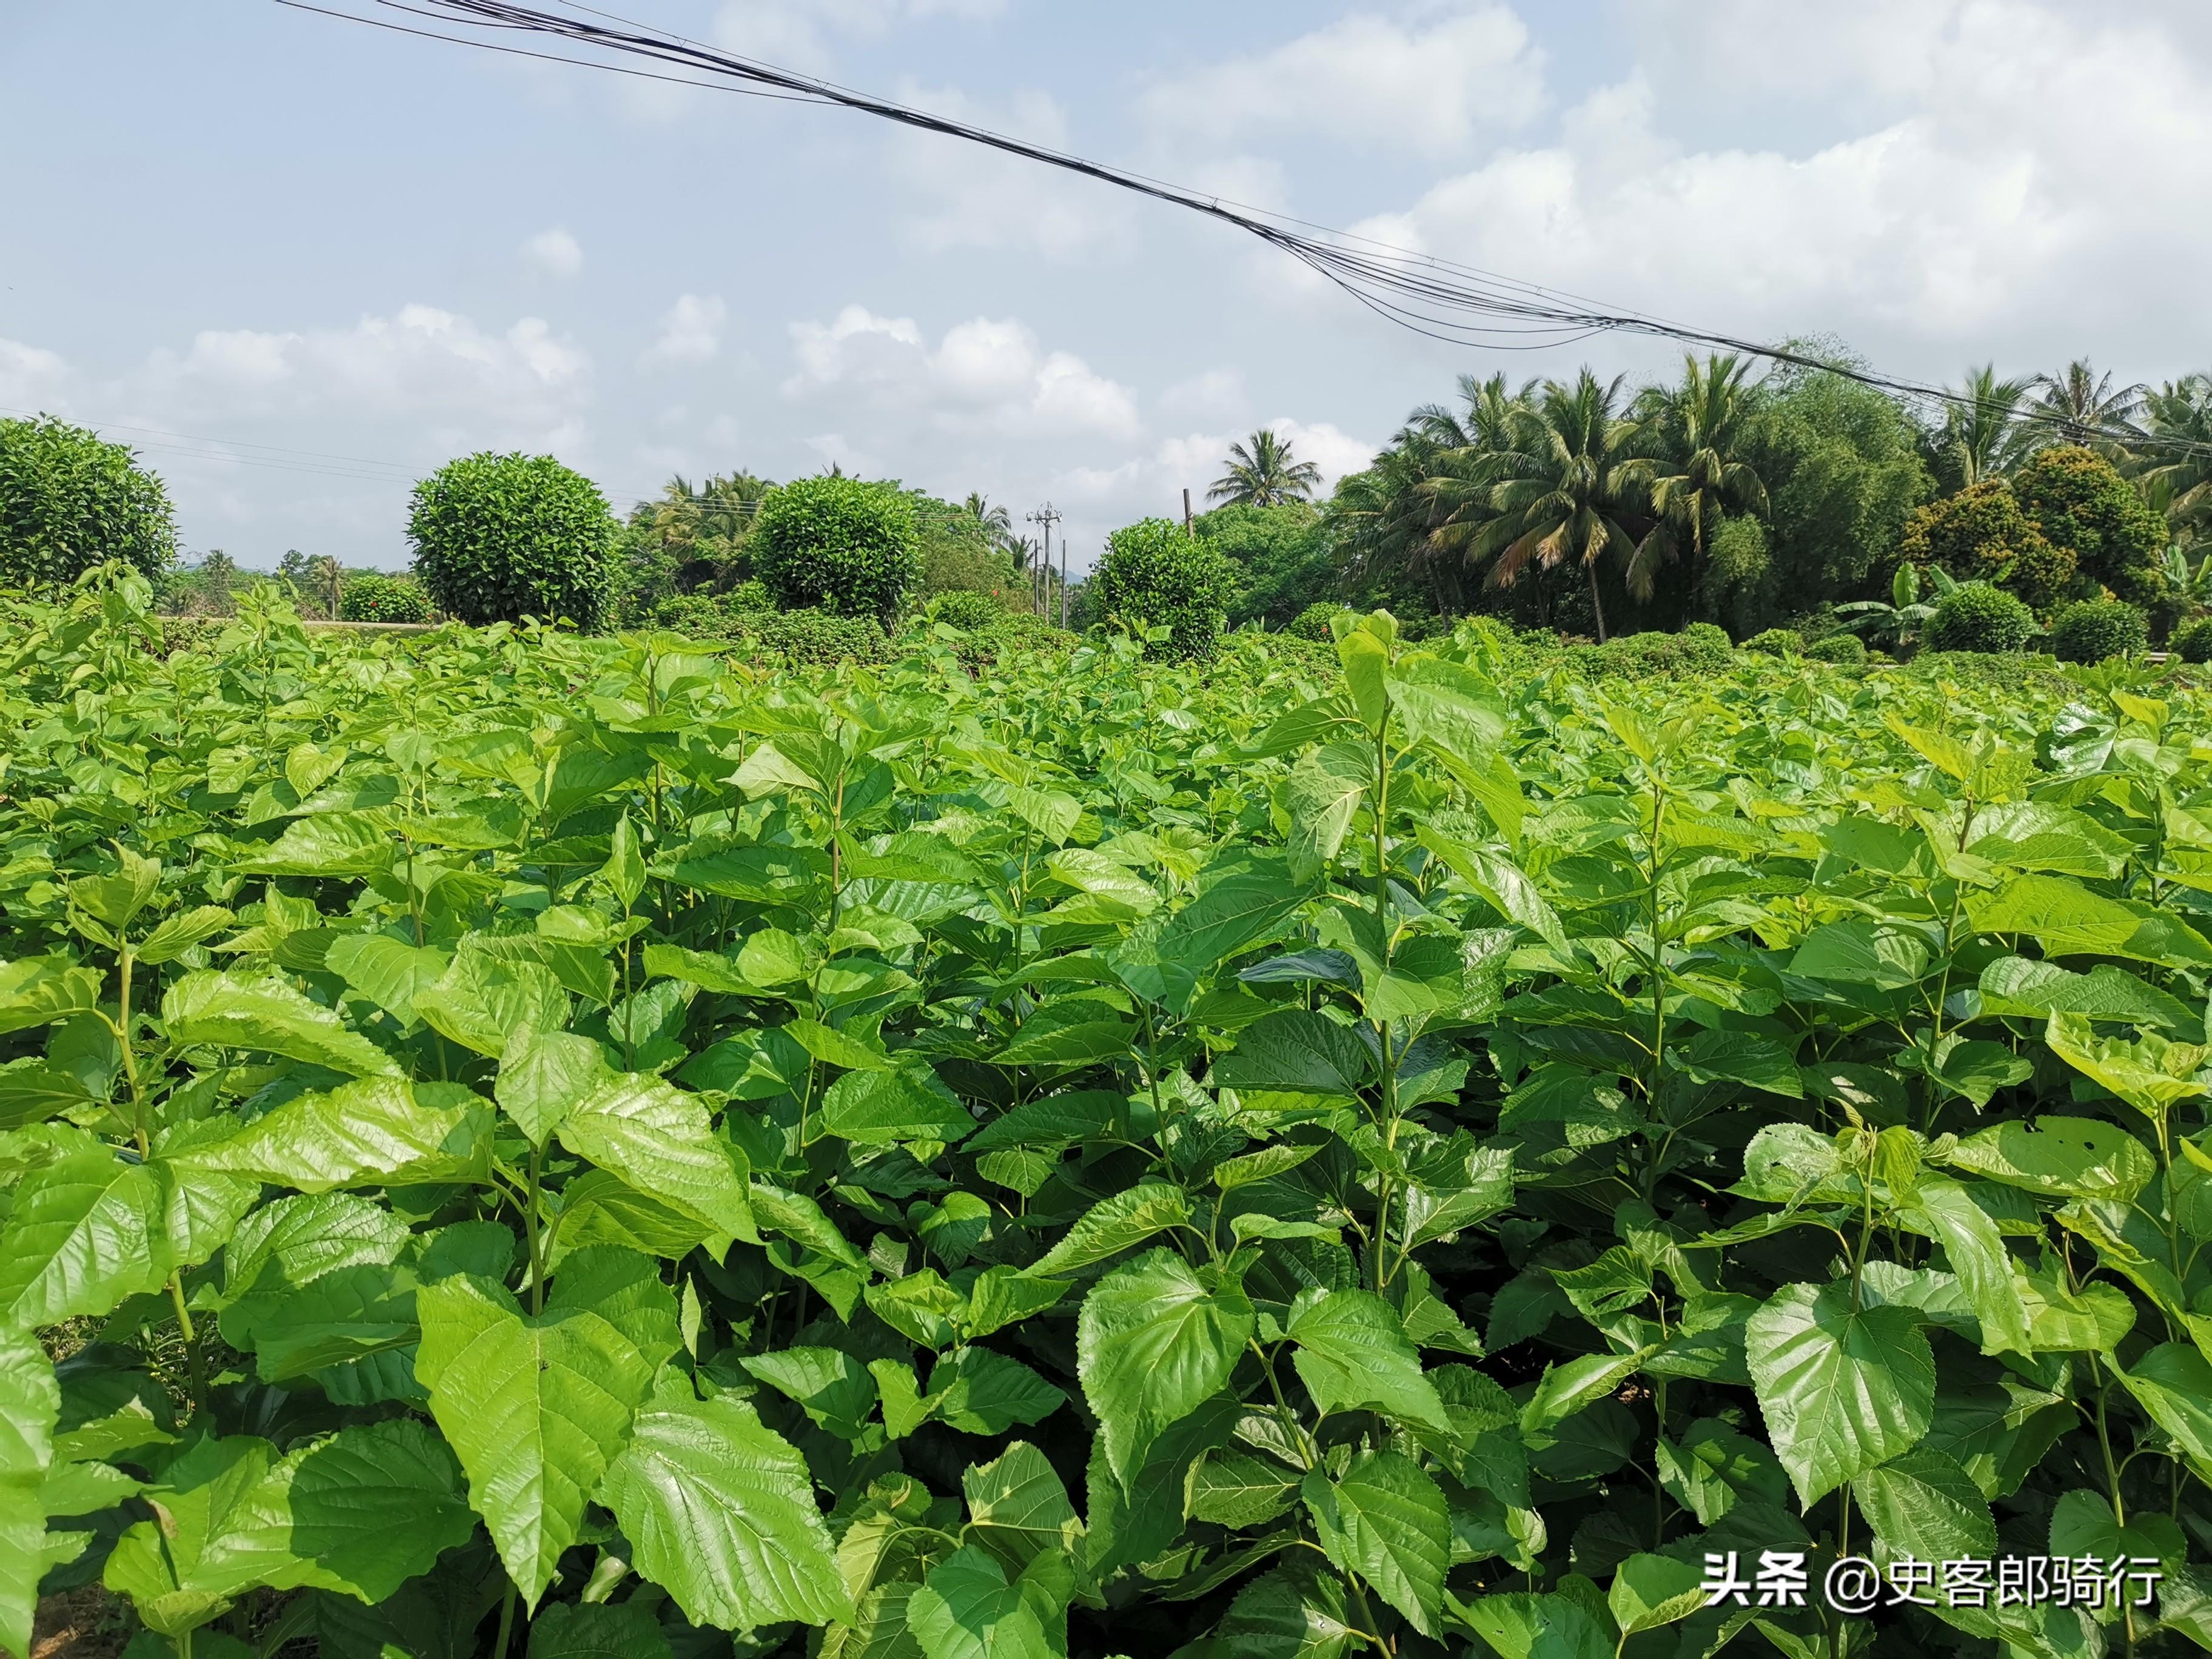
pixel 530 1227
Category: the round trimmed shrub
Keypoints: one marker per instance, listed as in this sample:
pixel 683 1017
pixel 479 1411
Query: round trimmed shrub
pixel 968 611
pixel 1709 645
pixel 498 537
pixel 2094 630
pixel 1975 617
pixel 2193 643
pixel 1775 642
pixel 1981 531
pixel 1312 623
pixel 374 599
pixel 838 544
pixel 71 502
pixel 1846 650
pixel 1153 575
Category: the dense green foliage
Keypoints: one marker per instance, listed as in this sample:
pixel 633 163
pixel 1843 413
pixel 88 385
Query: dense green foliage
pixel 1982 535
pixel 1153 575
pixel 839 544
pixel 1977 616
pixel 1281 557
pixel 2090 631
pixel 69 501
pixel 1276 1159
pixel 1775 642
pixel 498 537
pixel 2193 644
pixel 374 598
pixel 2080 502
pixel 1846 650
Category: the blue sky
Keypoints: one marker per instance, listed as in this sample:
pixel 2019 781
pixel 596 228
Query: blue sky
pixel 239 222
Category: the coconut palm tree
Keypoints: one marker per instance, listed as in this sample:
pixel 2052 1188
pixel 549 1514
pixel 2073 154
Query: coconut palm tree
pixel 998 522
pixel 2082 407
pixel 2175 474
pixel 1263 472
pixel 1983 436
pixel 1563 488
pixel 326 581
pixel 1700 429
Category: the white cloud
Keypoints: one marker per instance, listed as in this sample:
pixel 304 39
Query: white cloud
pixel 961 195
pixel 796 33
pixel 553 253
pixel 1426 85
pixel 422 363
pixel 986 375
pixel 32 379
pixel 690 330
pixel 1949 207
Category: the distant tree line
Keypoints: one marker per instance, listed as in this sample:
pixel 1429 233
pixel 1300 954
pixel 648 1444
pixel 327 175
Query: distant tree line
pixel 1788 500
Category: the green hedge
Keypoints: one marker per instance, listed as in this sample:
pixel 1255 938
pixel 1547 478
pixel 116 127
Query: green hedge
pixel 1777 642
pixel 839 545
pixel 2193 642
pixel 372 598
pixel 1975 617
pixel 498 537
pixel 69 501
pixel 2094 630
pixel 1846 650
pixel 1154 576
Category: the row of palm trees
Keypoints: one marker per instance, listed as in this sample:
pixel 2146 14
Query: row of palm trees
pixel 1579 471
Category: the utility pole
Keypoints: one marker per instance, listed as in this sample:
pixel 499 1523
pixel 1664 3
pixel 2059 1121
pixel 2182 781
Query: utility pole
pixel 1047 516
pixel 1186 530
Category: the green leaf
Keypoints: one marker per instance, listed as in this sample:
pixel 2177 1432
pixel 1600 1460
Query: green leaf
pixel 1743 1057
pixel 875 1108
pixel 39 990
pixel 1366 661
pixel 571 1630
pixel 325 844
pixel 543 1075
pixel 1288 1615
pixel 1945 1212
pixel 1003 1296
pixel 1114 1224
pixel 2173 1385
pixel 1842 1390
pixel 2069 919
pixel 1500 882
pixel 981 1392
pixel 1921 1504
pixel 624 1288
pixel 2020 985
pixel 480 1001
pixel 267 1015
pixel 30 1404
pixel 359 1513
pixel 1651 1590
pixel 1388 1522
pixel 1154 1338
pixel 1296 1052
pixel 375 1133
pixel 1863 953
pixel 536 1409
pixel 86 1231
pixel 831 1387
pixel 1709 1468
pixel 1324 792
pixel 721 1511
pixel 179 932
pixel 2063 1157
pixel 1568 1386
pixel 968 1608
pixel 2150 1074
pixel 1353 1354
pixel 1017 1508
pixel 660 1141
pixel 388 972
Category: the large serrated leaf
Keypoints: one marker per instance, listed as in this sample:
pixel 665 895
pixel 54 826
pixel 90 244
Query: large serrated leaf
pixel 536 1409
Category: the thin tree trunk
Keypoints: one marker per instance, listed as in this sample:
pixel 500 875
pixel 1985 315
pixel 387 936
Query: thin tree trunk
pixel 1596 604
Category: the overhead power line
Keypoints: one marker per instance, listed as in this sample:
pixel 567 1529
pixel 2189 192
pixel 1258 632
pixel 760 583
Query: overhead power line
pixel 1439 299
